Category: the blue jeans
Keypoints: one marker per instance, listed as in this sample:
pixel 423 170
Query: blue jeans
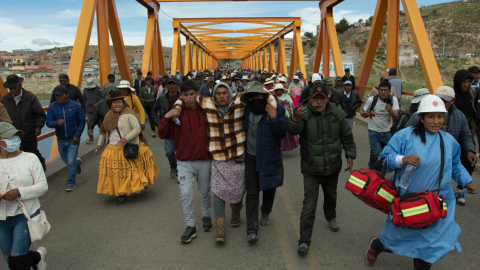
pixel 170 153
pixel 378 140
pixel 15 236
pixel 69 153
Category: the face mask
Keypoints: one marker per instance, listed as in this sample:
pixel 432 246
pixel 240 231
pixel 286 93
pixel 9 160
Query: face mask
pixel 257 106
pixel 13 144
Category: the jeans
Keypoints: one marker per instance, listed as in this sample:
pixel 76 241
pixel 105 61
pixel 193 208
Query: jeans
pixel 15 236
pixel 378 140
pixel 219 207
pixel 187 172
pixel 170 153
pixel 311 185
pixel 68 153
pixel 252 182
pixel 31 146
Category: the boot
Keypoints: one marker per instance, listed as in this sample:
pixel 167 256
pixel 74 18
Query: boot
pixel 221 230
pixel 236 208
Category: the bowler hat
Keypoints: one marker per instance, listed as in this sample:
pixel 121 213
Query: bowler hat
pixel 114 95
pixel 12 81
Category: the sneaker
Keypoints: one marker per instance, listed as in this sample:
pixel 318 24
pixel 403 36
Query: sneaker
pixel 302 249
pixel 371 254
pixel 173 173
pixel 79 165
pixel 207 224
pixel 460 197
pixel 265 220
pixel 42 265
pixel 90 141
pixel 71 188
pixel 252 238
pixel 333 225
pixel 188 235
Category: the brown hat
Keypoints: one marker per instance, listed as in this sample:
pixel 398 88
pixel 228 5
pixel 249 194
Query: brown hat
pixel 114 95
pixel 12 81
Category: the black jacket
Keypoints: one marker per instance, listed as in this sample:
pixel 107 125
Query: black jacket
pixel 352 103
pixel 136 85
pixel 465 102
pixel 160 105
pixel 73 94
pixel 27 116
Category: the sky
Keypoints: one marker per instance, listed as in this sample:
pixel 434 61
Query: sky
pixel 46 24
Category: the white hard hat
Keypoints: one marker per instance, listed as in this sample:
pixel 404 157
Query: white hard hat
pixel 431 103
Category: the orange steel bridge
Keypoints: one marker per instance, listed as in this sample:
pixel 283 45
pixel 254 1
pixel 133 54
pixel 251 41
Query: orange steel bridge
pixel 206 45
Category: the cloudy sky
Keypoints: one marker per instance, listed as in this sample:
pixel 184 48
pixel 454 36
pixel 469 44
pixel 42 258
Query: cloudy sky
pixel 48 23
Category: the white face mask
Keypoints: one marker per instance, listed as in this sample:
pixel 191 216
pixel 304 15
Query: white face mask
pixel 13 144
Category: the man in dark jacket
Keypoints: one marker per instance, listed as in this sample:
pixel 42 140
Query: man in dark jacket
pixel 68 120
pixel 349 77
pixel 26 114
pixel 92 95
pixel 352 102
pixel 100 111
pixel 332 95
pixel 466 97
pixel 321 160
pixel 111 81
pixel 139 82
pixel 207 89
pixel 265 127
pixel 396 83
pixel 73 91
pixel 147 96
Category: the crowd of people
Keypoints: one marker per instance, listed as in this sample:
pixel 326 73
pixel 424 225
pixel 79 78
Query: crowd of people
pixel 227 129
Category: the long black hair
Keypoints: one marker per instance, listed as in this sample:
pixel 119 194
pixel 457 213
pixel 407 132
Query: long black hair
pixel 419 130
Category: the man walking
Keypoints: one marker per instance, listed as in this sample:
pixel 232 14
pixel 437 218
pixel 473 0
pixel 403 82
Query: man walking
pixel 349 77
pixel 73 91
pixel 147 96
pixel 92 95
pixel 207 89
pixel 323 127
pixel 111 81
pixel 397 83
pixel 193 158
pixel 381 109
pixel 352 102
pixel 139 82
pixel 100 111
pixel 68 120
pixel 338 87
pixel 26 114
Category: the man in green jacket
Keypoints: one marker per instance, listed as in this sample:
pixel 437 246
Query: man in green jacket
pixel 148 96
pixel 322 126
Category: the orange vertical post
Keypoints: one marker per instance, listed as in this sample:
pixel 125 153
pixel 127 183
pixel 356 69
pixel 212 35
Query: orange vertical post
pixel 147 49
pixel 103 41
pixel 393 25
pixel 188 55
pixel 195 56
pixel 283 53
pixel 300 56
pixel 319 49
pixel 293 58
pixel 175 51
pixel 154 51
pixel 272 57
pixel 326 52
pixel 332 33
pixel 3 90
pixel 117 40
pixel 265 59
pixel 161 58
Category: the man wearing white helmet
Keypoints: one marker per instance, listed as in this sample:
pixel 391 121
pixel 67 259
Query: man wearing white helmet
pixel 455 124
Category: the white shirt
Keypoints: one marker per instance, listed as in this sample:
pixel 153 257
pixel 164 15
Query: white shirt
pixel 382 122
pixel 18 98
pixel 114 138
pixel 348 95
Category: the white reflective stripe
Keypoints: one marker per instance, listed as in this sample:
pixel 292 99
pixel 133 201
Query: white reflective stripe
pixel 387 196
pixel 415 210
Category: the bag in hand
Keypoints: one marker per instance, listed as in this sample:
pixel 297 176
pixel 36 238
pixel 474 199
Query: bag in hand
pixel 130 150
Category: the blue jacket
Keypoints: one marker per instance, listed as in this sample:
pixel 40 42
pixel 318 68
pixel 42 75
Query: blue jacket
pixel 269 154
pixel 74 117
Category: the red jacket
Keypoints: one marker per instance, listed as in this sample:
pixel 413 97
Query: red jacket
pixel 190 137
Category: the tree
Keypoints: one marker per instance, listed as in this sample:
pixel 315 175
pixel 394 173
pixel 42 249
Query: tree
pixel 360 21
pixel 342 26
pixel 369 21
pixel 308 34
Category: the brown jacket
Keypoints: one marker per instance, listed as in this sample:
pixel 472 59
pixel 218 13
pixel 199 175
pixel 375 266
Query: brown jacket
pixel 28 115
pixel 4 114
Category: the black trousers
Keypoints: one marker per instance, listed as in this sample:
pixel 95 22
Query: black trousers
pixel 417 263
pixel 311 190
pixel 252 182
pixel 31 146
pixel 151 118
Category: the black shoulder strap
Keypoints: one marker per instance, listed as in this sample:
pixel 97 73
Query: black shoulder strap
pixel 442 162
pixel 374 103
pixel 119 133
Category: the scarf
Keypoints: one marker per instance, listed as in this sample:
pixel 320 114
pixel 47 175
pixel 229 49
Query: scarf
pixel 110 122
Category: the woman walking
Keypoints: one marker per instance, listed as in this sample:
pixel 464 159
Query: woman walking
pixel 133 101
pixel 289 142
pixel 22 182
pixel 421 147
pixel 118 175
pixel 295 90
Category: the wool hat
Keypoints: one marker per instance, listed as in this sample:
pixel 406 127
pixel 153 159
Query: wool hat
pixel 392 72
pixel 60 90
pixel 338 78
pixel 316 77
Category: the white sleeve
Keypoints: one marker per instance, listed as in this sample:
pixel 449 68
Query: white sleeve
pixel 39 186
pixel 368 103
pixel 399 160
pixel 395 104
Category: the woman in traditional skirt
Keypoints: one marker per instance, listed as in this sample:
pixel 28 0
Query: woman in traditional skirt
pixel 289 142
pixel 295 90
pixel 118 175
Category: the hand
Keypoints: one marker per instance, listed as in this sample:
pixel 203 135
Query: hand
pixel 11 195
pixel 158 114
pixel 272 112
pixel 473 133
pixel 364 114
pixel 142 125
pixel 298 112
pixel 75 141
pixel 38 132
pixel 173 112
pixel 471 188
pixel 412 160
pixel 122 142
pixel 472 158
pixel 90 133
pixel 95 105
pixel 97 149
pixel 388 107
pixel 152 100
pixel 349 165
pixel 61 122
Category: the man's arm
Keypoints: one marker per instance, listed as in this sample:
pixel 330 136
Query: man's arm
pixel 80 98
pixel 102 95
pixel 279 125
pixel 465 140
pixel 93 121
pixel 141 96
pixel 80 123
pixel 346 138
pixel 51 120
pixel 37 110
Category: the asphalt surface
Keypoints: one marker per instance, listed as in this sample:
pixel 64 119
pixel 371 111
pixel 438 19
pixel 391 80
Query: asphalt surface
pixel 88 232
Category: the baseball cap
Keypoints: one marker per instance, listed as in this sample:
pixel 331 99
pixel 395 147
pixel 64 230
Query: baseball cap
pixel 473 69
pixel 318 90
pixel 63 77
pixel 172 79
pixel 348 82
pixel 338 78
pixel 327 81
pixel 60 90
pixel 419 95
pixel 445 92
pixel 7 130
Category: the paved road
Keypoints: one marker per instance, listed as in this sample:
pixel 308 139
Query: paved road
pixel 88 232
